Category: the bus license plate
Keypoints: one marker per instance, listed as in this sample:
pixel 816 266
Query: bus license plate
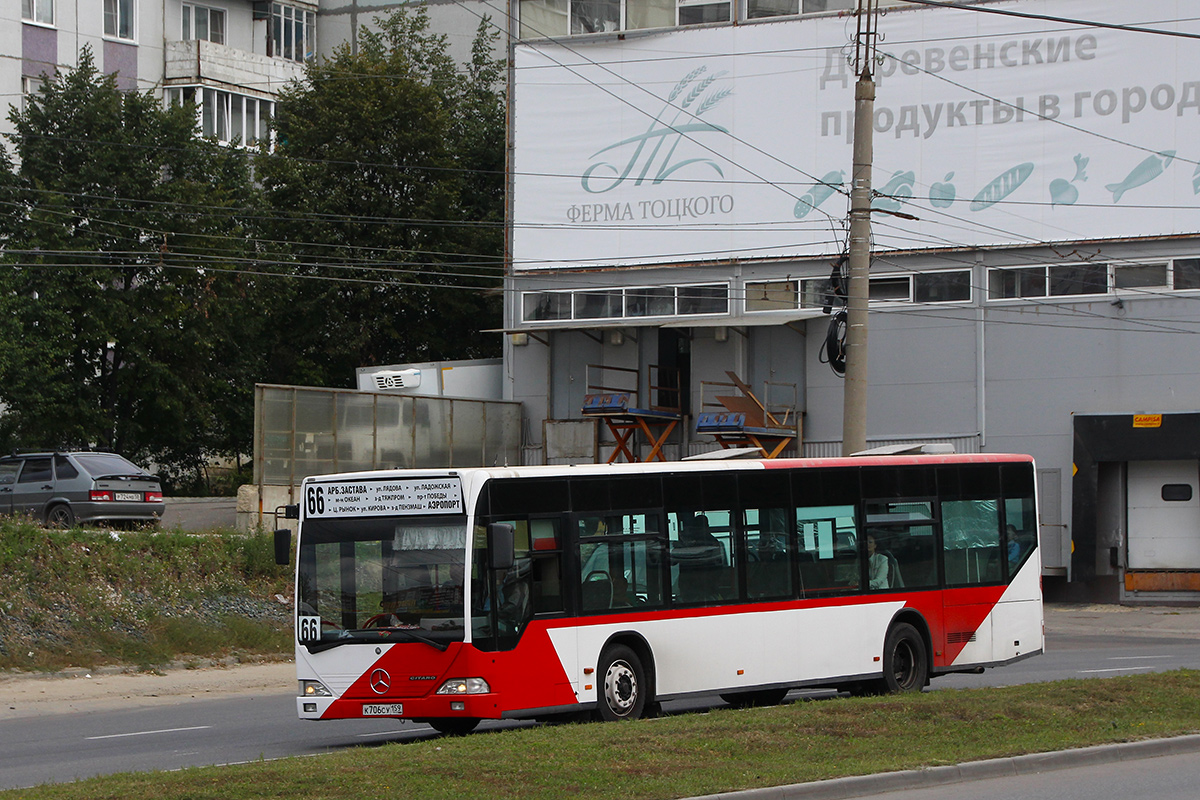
pixel 382 709
pixel 129 497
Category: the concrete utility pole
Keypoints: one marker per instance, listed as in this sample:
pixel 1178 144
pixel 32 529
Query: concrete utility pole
pixel 854 402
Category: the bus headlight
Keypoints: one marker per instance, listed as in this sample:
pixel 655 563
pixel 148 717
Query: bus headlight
pixel 314 689
pixel 465 686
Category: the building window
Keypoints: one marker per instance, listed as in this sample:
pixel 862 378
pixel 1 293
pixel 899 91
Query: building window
pixel 545 18
pixel 945 286
pixel 203 23
pixel 598 305
pixel 698 12
pixel 595 16
pixel 118 18
pixel 757 9
pixel 1140 276
pixel 1005 284
pixel 941 287
pixel 771 296
pixel 545 306
pixel 29 87
pixel 293 33
pixel 1185 273
pixel 1065 280
pixel 230 118
pixel 38 11
pixel 1075 279
pixel 649 302
pixel 588 304
pixel 703 300
pixel 890 290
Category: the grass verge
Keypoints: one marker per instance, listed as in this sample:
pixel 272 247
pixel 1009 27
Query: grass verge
pixel 91 597
pixel 696 754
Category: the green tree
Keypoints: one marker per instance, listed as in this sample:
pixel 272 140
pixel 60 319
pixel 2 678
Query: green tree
pixel 118 291
pixel 387 186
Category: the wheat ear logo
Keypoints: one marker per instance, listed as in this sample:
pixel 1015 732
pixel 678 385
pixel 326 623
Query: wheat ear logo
pixel 658 148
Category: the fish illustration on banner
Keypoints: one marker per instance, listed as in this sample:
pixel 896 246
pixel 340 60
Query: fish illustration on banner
pixel 820 192
pixel 1143 173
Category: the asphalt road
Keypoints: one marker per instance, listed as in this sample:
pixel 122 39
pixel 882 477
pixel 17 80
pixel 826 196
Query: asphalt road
pixel 199 513
pixel 199 732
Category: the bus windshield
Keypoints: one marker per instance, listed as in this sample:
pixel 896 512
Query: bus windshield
pixel 389 579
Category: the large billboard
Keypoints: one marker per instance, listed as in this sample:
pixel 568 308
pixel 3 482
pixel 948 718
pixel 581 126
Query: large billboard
pixel 697 145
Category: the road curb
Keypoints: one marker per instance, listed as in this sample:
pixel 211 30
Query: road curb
pixel 865 785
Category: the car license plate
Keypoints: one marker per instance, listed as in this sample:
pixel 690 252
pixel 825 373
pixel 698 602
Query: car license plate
pixel 382 709
pixel 129 497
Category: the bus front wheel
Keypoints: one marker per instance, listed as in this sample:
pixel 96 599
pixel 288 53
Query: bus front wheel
pixel 905 660
pixel 623 689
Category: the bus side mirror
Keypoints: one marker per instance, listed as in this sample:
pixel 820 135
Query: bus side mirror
pixel 500 545
pixel 283 547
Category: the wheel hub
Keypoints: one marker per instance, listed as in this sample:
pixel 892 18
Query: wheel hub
pixel 620 687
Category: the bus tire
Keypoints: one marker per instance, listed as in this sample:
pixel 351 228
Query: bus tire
pixel 453 726
pixel 905 660
pixel 757 697
pixel 623 686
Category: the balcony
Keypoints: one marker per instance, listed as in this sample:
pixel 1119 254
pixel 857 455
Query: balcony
pixel 198 62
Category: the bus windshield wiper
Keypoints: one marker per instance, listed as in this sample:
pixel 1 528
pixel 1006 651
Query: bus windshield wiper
pixel 443 646
pixel 372 636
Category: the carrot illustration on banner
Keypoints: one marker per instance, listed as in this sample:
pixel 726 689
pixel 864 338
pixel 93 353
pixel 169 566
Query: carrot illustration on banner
pixel 820 192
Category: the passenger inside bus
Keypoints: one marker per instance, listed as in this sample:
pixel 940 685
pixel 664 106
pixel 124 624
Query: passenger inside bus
pixel 515 608
pixel 701 561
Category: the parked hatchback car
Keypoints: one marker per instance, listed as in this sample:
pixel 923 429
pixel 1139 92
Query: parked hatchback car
pixel 61 489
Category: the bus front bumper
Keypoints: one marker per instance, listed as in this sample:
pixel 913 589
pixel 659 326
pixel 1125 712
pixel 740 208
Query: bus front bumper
pixel 478 706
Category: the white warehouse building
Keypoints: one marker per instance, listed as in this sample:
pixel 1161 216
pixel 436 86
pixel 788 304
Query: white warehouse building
pixel 679 199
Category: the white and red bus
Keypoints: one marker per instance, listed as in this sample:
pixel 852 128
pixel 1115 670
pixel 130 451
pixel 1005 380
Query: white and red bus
pixel 451 596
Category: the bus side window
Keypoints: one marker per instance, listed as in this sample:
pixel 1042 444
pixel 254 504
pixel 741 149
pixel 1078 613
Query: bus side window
pixel 546 555
pixel 768 571
pixel 1020 531
pixel 971 541
pixel 828 549
pixel 620 574
pixel 702 557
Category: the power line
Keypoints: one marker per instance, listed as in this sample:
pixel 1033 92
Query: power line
pixel 985 9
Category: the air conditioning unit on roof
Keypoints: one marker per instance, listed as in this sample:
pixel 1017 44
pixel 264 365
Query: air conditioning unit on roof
pixel 393 380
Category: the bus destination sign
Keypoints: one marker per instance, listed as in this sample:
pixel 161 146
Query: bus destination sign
pixel 384 498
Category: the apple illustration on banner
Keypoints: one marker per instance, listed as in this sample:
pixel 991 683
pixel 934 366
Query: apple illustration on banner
pixel 941 194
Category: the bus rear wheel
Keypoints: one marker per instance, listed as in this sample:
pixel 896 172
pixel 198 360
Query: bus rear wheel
pixel 623 687
pixel 453 726
pixel 905 660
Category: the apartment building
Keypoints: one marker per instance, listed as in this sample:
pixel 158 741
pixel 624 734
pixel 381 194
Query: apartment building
pixel 231 56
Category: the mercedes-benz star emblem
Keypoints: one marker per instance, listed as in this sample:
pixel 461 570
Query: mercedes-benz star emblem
pixel 380 681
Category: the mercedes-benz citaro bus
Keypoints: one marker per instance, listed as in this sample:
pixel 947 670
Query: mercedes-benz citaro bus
pixel 450 596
